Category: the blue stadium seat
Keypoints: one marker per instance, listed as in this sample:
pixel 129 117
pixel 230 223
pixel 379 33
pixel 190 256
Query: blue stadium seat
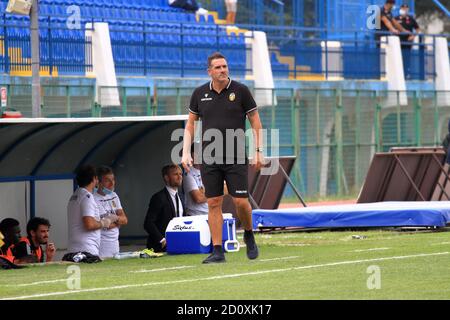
pixel 163 25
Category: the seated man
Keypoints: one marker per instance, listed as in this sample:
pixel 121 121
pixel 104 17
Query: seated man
pixel 109 204
pixel 83 216
pixel 6 262
pixel 194 191
pixel 28 249
pixel 10 229
pixel 189 5
pixel 164 205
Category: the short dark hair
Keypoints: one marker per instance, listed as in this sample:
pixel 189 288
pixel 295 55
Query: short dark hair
pixel 405 5
pixel 103 171
pixel 390 1
pixel 7 224
pixel 34 224
pixel 214 56
pixel 85 175
pixel 166 169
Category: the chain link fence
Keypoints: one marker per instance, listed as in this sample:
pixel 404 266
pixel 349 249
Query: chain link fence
pixel 333 133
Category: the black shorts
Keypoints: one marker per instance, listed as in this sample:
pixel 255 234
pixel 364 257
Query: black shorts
pixel 236 176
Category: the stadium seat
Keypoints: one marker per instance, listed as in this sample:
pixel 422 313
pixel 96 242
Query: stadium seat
pixel 166 28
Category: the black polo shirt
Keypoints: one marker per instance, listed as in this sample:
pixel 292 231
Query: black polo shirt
pixel 388 15
pixel 221 111
pixel 408 22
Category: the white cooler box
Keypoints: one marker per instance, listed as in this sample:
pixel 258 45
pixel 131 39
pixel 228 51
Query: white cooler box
pixel 192 235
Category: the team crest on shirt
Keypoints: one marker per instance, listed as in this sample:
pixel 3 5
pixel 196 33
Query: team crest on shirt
pixel 232 97
pixel 113 204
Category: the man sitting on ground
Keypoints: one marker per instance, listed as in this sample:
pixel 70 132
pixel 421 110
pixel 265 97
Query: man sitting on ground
pixel 28 249
pixel 10 229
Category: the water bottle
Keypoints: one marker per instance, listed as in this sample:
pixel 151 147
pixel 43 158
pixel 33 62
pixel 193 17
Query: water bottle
pixel 126 255
pixel 78 257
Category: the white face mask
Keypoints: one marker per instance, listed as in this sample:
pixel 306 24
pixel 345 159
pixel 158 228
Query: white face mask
pixel 402 12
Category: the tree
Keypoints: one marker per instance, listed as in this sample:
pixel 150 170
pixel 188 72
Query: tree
pixel 428 11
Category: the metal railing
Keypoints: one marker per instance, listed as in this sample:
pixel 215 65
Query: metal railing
pixel 334 133
pixel 180 49
pixel 253 11
pixel 62 50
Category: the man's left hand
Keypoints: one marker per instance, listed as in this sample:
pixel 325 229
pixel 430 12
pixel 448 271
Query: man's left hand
pixel 51 249
pixel 258 161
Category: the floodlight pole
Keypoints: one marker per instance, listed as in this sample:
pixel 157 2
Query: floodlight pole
pixel 35 60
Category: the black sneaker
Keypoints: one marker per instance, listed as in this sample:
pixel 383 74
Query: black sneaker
pixel 252 248
pixel 215 258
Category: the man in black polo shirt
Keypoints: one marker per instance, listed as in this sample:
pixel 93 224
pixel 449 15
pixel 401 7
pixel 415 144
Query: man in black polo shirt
pixel 223 106
pixel 387 22
pixel 410 24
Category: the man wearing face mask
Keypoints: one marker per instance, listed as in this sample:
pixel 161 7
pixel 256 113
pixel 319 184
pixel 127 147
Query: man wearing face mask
pixel 83 217
pixel 410 24
pixel 387 22
pixel 109 204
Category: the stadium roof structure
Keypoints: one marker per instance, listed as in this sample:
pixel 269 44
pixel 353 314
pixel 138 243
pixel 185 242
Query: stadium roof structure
pixel 38 158
pixel 51 146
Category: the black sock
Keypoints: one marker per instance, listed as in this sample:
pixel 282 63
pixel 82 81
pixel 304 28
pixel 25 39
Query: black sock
pixel 248 233
pixel 218 249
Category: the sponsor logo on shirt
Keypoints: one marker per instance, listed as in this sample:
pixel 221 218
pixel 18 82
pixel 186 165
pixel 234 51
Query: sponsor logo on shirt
pixel 206 97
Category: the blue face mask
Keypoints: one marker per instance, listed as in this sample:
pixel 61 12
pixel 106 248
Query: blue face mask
pixel 106 191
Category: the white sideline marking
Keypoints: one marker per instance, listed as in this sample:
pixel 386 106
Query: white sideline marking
pixel 282 258
pixel 440 243
pixel 236 275
pixel 291 244
pixel 373 249
pixel 162 269
pixel 34 283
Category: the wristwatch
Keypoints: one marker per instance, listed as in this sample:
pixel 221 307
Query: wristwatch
pixel 259 149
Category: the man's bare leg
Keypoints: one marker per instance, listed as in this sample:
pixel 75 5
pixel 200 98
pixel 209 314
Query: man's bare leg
pixel 244 212
pixel 215 221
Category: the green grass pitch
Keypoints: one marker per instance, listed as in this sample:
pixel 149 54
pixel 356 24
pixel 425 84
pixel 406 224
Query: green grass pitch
pixel 293 265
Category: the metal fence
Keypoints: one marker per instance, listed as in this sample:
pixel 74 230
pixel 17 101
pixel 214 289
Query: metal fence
pixel 62 50
pixel 180 49
pixel 333 133
pixel 253 11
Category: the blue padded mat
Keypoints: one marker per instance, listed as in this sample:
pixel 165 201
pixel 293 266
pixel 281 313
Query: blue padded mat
pixel 379 214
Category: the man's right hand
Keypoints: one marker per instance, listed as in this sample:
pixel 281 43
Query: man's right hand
pixel 106 222
pixel 186 162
